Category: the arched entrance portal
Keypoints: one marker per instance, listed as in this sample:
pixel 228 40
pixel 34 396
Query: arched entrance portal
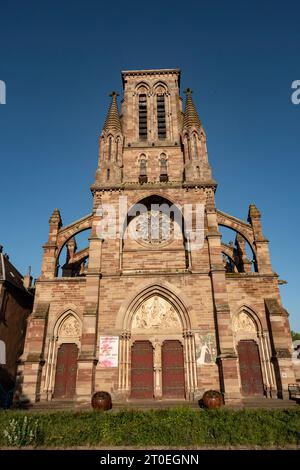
pixel 62 356
pixel 256 374
pixel 157 349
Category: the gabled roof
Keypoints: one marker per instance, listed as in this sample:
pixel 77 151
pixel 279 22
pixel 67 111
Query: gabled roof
pixel 9 273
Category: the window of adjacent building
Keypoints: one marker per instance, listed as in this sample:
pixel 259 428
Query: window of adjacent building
pixel 161 117
pixel 143 117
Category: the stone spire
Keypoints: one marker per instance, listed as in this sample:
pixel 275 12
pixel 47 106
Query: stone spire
pixel 191 118
pixel 112 122
pixel 55 218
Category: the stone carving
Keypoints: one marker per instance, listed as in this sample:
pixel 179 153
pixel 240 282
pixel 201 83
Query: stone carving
pixel 154 227
pixel 156 313
pixel 206 350
pixel 243 323
pixel 70 327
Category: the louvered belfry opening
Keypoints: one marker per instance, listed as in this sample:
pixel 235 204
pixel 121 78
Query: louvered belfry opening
pixel 143 117
pixel 161 117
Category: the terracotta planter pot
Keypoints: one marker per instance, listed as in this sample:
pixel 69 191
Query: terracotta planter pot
pixel 101 401
pixel 212 399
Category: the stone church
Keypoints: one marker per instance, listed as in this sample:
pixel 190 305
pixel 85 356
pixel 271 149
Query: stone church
pixel 156 306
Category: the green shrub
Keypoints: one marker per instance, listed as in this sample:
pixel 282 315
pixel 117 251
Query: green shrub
pixel 22 432
pixel 164 427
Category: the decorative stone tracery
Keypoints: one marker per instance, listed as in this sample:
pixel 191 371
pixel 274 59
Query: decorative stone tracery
pixel 156 313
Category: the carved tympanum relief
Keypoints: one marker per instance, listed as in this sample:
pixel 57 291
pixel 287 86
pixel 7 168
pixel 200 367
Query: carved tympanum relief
pixel 157 314
pixel 70 327
pixel 243 323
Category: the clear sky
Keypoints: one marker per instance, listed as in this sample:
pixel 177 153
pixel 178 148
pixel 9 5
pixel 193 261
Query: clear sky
pixel 61 59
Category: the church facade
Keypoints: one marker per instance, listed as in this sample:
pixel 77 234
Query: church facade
pixel 157 305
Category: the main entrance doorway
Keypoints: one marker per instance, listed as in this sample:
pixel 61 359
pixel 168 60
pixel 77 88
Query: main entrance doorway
pixel 66 371
pixel 142 371
pixel 172 370
pixel 250 368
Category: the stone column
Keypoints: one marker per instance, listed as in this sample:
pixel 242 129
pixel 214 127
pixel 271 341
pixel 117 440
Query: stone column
pixel 124 363
pixel 281 345
pixel 260 242
pixel 157 370
pixel 33 360
pixel 88 358
pixel 227 358
pixel 49 264
pixel 190 364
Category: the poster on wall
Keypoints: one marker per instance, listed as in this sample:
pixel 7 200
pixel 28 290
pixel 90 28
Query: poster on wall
pixel 108 351
pixel 206 351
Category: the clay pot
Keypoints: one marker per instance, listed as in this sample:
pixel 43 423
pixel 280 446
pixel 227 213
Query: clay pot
pixel 101 401
pixel 212 399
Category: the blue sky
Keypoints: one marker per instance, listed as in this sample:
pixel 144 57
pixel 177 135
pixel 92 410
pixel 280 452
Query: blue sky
pixel 61 59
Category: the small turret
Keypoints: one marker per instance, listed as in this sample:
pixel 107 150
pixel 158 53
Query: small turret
pixel 194 142
pixel 111 146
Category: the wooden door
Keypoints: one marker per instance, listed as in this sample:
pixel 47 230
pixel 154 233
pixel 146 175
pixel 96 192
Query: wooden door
pixel 66 371
pixel 172 370
pixel 250 368
pixel 142 371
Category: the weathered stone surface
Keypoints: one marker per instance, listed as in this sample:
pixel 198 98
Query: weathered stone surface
pixel 157 289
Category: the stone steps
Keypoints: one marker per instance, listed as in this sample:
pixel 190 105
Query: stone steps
pixel 249 403
pixel 268 404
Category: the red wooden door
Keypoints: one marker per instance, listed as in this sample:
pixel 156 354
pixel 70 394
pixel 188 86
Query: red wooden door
pixel 172 370
pixel 142 371
pixel 250 368
pixel 66 371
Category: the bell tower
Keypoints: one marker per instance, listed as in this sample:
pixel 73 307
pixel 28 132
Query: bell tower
pixel 153 140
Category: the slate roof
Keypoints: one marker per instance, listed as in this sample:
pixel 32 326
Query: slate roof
pixel 9 273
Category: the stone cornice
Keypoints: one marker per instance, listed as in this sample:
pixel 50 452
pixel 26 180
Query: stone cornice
pixel 141 73
pixel 154 185
pixel 62 279
pixel 238 276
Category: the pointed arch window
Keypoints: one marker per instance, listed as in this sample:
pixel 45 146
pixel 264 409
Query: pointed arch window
pixel 163 168
pixel 143 117
pixel 117 149
pixel 109 148
pixel 143 169
pixel 161 116
pixel 195 144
